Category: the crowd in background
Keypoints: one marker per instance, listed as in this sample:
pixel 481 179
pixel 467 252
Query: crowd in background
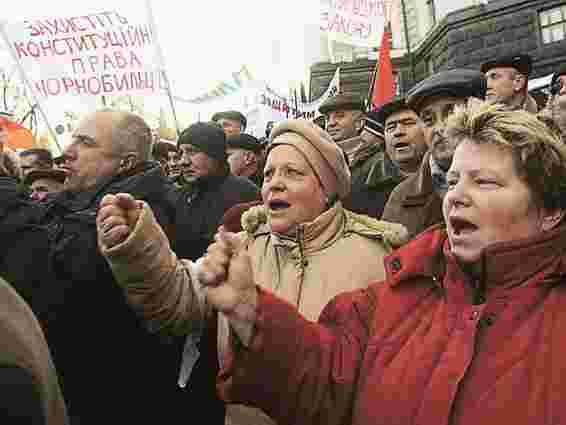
pixel 398 265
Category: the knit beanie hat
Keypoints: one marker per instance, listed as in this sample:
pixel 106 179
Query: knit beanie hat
pixel 324 156
pixel 207 137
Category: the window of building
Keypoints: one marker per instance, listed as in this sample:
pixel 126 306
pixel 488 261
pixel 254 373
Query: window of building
pixel 430 66
pixel 553 24
pixel 431 11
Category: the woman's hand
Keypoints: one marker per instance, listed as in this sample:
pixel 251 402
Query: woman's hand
pixel 117 217
pixel 226 272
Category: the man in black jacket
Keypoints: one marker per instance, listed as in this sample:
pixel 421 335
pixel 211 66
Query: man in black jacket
pixel 112 369
pixel 211 191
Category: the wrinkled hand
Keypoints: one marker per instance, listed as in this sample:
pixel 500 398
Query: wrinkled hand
pixel 226 272
pixel 117 217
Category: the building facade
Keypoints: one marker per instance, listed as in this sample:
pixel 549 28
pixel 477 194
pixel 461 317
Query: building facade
pixel 462 38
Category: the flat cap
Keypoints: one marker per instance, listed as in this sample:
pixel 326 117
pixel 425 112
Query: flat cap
pixel 231 115
pixel 52 174
pixel 244 141
pixel 324 156
pixel 395 105
pixel 522 63
pixel 341 102
pixel 554 83
pixel 459 82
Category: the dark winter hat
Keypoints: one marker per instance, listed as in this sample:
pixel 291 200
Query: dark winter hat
pixel 522 63
pixel 231 115
pixel 458 82
pixel 341 102
pixel 244 141
pixel 207 137
pixel 554 84
pixel 385 111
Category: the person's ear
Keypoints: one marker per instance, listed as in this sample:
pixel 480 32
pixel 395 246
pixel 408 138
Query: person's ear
pixel 127 163
pixel 551 219
pixel 520 82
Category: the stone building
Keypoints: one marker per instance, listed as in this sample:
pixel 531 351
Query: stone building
pixel 466 38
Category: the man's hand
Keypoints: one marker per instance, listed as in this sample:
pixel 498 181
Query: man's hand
pixel 226 272
pixel 117 217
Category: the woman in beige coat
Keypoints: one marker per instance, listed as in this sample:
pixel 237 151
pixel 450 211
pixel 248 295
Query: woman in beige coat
pixel 303 245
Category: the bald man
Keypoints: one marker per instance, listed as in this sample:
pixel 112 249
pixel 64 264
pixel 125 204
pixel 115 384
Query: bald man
pixel 112 368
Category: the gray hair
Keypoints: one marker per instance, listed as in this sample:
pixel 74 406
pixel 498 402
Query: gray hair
pixel 132 134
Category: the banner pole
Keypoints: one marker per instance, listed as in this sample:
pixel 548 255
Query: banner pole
pixel 162 65
pixel 26 81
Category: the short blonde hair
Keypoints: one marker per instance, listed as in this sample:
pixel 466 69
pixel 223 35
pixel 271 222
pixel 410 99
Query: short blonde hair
pixel 540 156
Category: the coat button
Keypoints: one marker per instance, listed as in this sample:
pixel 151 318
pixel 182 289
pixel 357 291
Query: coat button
pixel 395 265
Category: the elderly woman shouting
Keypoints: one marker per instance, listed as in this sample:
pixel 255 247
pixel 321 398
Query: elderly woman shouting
pixel 468 326
pixel 302 244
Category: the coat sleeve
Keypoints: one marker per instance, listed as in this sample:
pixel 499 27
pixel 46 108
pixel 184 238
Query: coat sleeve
pixel 299 371
pixel 21 400
pixel 161 288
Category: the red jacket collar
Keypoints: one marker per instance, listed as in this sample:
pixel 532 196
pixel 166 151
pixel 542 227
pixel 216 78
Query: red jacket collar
pixel 503 264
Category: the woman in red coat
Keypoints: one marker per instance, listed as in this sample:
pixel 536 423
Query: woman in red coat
pixel 469 326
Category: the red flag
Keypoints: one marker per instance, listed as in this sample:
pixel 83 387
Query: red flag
pixel 383 84
pixel 18 137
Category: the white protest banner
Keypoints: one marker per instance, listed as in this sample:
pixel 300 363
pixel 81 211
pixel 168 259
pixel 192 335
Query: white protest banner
pixel 105 53
pixel 355 22
pixel 309 110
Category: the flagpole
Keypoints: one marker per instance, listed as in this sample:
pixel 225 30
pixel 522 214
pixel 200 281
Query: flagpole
pixel 162 60
pixel 372 83
pixel 26 81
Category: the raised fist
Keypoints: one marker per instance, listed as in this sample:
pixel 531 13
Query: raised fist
pixel 117 217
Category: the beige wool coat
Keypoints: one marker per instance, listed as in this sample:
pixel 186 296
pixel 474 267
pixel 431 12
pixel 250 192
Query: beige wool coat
pixel 339 251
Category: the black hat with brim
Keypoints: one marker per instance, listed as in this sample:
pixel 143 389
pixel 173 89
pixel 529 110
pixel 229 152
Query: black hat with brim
pixel 459 83
pixel 395 105
pixel 522 63
pixel 244 141
pixel 51 174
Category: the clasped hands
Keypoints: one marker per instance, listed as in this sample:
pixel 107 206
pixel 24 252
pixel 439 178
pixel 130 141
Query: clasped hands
pixel 224 271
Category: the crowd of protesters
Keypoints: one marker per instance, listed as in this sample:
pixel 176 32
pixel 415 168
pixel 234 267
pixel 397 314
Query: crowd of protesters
pixel 402 265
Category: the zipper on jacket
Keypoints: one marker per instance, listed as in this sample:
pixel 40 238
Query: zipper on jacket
pixel 302 263
pixel 478 291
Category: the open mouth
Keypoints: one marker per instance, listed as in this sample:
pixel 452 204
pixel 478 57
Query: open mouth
pixel 277 205
pixel 402 147
pixel 461 226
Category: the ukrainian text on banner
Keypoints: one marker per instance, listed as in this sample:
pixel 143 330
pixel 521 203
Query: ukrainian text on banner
pixel 106 53
pixel 355 22
pixel 283 109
